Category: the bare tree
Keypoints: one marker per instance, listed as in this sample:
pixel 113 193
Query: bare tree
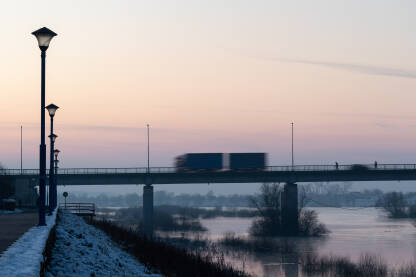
pixel 395 204
pixel 303 199
pixel 269 223
pixel 268 206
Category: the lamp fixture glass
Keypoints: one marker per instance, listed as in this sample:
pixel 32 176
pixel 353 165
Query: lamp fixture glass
pixel 53 137
pixel 44 37
pixel 52 109
pixel 55 153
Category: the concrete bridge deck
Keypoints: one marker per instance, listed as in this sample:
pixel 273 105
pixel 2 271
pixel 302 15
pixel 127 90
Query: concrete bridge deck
pixel 168 175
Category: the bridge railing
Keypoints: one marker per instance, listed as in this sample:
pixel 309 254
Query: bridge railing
pixel 115 170
pixel 84 209
pixel 133 170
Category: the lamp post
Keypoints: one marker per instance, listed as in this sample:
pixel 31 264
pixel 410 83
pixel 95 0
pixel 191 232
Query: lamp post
pixel 55 176
pixel 148 149
pixel 293 160
pixel 21 149
pixel 44 37
pixel 52 186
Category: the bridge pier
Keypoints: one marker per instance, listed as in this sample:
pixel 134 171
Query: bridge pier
pixel 148 210
pixel 290 213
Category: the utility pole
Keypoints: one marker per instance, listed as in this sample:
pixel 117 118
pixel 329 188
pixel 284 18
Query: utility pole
pixel 293 161
pixel 148 149
pixel 148 195
pixel 21 149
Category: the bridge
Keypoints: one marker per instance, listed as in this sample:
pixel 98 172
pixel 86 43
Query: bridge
pixel 26 179
pixel 275 174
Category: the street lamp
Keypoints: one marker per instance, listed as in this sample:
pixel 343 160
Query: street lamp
pixel 52 109
pixel 52 185
pixel 56 153
pixel 55 176
pixel 44 37
pixel 53 138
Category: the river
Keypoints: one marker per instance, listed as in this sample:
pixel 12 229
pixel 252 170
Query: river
pixel 354 231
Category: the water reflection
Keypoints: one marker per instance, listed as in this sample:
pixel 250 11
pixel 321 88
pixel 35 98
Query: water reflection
pixel 272 256
pixel 353 232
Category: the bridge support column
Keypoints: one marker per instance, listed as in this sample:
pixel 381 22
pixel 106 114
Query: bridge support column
pixel 290 213
pixel 148 210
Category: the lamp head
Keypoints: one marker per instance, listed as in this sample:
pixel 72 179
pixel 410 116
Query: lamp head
pixel 55 153
pixel 52 109
pixel 53 137
pixel 44 37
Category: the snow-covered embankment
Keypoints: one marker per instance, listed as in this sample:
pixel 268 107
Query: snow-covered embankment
pixel 24 256
pixel 82 250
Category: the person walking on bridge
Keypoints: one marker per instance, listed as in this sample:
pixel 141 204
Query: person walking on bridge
pixel 336 165
pixel 375 165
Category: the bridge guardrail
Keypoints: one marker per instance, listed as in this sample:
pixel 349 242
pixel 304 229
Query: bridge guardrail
pixel 133 170
pixel 84 209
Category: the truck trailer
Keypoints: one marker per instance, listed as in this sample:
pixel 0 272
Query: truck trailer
pixel 199 162
pixel 196 162
pixel 247 161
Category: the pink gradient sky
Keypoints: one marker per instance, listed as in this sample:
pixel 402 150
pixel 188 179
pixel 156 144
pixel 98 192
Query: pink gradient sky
pixel 212 76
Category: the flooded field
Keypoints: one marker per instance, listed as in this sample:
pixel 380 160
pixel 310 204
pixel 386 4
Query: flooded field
pixel 354 231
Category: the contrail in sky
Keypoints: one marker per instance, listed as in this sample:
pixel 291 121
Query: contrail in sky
pixel 361 68
pixel 353 67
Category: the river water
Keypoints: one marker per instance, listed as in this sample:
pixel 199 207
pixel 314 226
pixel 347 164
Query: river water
pixel 354 231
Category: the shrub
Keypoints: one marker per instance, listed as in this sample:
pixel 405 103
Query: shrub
pixel 257 245
pixel 268 206
pixel 270 223
pixel 309 224
pixel 367 266
pixel 167 259
pixel 395 204
pixel 164 220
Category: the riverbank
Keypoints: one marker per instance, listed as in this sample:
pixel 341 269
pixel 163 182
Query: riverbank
pixel 285 257
pixel 168 259
pixel 82 250
pixel 102 248
pixel 354 232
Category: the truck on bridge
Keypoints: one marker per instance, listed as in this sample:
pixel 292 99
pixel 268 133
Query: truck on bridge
pixel 198 162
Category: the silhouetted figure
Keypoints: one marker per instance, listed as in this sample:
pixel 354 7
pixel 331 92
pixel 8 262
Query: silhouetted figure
pixel 375 164
pixel 336 165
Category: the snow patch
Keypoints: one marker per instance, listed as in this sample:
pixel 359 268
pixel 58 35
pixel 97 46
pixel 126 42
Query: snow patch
pixel 24 256
pixel 83 250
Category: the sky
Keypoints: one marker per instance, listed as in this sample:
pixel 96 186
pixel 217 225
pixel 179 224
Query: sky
pixel 211 76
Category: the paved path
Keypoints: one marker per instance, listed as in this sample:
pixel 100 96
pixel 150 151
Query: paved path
pixel 12 226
